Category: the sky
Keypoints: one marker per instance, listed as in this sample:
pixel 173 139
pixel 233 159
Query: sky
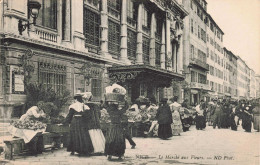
pixel 240 22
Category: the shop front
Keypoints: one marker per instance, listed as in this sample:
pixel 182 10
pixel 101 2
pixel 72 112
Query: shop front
pixel 143 80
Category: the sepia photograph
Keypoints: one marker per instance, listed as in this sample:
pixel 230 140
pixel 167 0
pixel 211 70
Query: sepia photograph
pixel 129 82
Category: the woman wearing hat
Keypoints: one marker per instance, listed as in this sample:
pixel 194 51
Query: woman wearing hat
pixel 164 118
pixel 79 138
pixel 96 135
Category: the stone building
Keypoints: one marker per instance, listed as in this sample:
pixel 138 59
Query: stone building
pixel 196 50
pixel 252 84
pixel 243 79
pixel 85 45
pixel 230 74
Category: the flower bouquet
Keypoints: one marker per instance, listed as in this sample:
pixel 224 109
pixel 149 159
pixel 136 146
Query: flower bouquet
pixel 104 118
pixel 29 124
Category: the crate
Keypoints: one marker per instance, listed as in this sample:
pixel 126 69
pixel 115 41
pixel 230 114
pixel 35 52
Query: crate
pixel 57 128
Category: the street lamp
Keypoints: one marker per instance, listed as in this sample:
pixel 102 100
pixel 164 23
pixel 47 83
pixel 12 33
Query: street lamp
pixel 33 11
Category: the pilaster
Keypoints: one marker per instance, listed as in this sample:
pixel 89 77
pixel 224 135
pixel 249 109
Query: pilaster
pixel 152 40
pixel 139 46
pixel 123 51
pixel 104 30
pixel 163 48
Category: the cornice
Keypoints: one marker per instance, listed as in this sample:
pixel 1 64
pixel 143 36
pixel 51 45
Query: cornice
pixel 28 40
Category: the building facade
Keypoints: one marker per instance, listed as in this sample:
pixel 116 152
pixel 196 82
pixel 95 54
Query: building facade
pixel 86 45
pixel 243 79
pixel 252 84
pixel 215 59
pixel 230 74
pixel 195 44
pixel 257 85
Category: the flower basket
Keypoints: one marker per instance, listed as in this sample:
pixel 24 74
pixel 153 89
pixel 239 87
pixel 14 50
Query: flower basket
pixel 57 128
pixel 118 97
pixel 139 128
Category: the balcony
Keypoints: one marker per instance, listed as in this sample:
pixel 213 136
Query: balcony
pixel 196 85
pixel 198 63
pixel 46 34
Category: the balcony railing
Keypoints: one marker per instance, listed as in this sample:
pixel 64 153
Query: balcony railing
pixel 131 22
pixel 46 34
pixel 199 63
pixel 197 85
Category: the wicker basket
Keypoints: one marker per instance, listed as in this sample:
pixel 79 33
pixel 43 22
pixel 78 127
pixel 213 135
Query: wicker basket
pixel 114 97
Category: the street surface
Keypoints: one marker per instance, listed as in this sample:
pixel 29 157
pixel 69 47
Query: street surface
pixel 210 146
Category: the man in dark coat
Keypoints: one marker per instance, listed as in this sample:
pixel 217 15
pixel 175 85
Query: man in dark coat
pixel 127 134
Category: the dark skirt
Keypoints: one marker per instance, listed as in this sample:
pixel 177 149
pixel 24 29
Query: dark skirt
pixel 246 123
pixel 79 138
pixel 164 131
pixel 200 122
pixel 115 141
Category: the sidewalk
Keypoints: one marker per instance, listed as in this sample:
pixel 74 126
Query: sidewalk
pixel 212 146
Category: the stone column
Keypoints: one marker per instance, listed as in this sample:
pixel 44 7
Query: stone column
pixel 67 25
pixel 139 46
pixel 152 41
pixel 163 47
pixel 77 25
pixel 104 30
pixel 168 40
pixel 123 51
pixel 180 56
pixel 175 47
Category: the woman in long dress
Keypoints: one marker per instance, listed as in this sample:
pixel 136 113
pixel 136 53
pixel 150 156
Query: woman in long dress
pixel 177 124
pixel 115 139
pixel 95 132
pixel 164 118
pixel 79 139
pixel 176 118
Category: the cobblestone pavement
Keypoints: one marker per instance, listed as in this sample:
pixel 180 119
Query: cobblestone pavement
pixel 210 146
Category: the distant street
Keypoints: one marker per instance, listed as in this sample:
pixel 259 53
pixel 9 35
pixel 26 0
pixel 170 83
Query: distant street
pixel 210 146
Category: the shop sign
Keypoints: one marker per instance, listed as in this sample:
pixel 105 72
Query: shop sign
pixel 17 80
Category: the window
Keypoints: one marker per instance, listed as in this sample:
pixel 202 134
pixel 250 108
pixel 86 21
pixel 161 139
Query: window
pixel 52 76
pixel 191 22
pixel 191 4
pixel 130 9
pixel 198 31
pixel 191 51
pixel 131 44
pixel 202 78
pixel 47 14
pixel 157 54
pixel 96 89
pixel 193 76
pixel 131 13
pixel 146 47
pixel 91 27
pixel 113 37
pixel 145 17
pixel 114 8
pixel 158 32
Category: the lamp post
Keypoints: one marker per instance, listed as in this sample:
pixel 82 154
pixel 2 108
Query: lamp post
pixel 33 11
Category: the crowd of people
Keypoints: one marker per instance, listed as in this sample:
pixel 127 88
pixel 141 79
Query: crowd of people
pixel 166 119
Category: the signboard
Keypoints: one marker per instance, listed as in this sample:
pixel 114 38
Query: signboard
pixel 17 80
pixel 18 83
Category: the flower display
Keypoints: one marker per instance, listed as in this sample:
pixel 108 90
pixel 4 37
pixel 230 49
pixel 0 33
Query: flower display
pixel 29 124
pixel 105 118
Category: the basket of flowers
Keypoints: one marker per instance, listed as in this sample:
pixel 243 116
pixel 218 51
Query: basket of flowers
pixel 114 97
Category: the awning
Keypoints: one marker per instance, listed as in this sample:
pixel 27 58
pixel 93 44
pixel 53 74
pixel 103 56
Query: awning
pixel 144 73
